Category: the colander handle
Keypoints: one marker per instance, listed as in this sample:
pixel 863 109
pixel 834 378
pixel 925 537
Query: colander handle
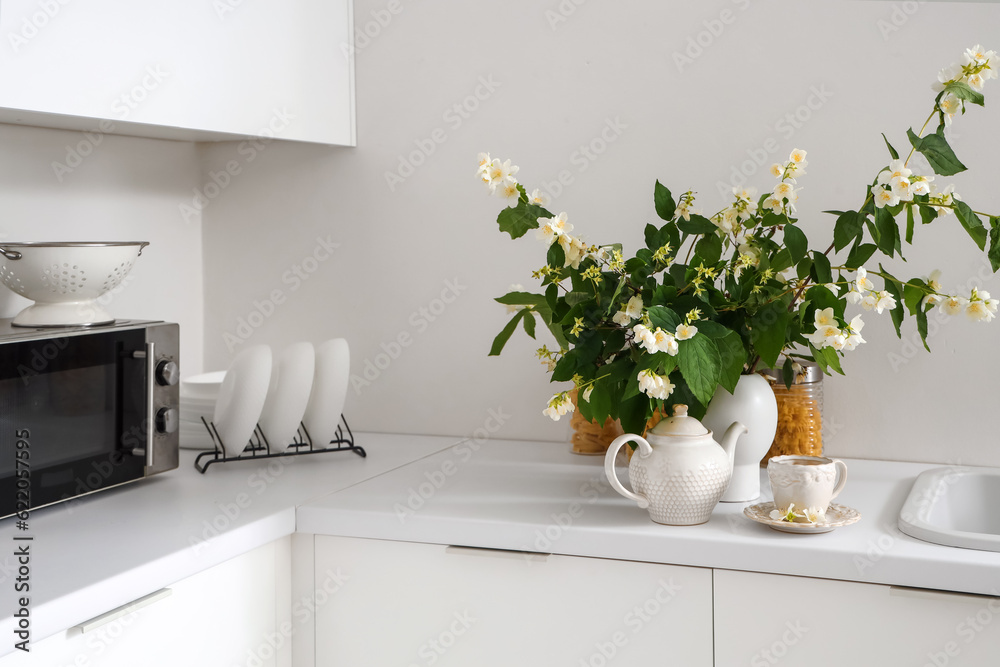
pixel 10 254
pixel 142 245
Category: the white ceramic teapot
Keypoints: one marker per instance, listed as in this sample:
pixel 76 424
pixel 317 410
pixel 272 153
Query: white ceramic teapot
pixel 680 472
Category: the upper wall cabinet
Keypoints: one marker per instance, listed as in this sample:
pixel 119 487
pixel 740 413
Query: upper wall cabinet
pixel 181 69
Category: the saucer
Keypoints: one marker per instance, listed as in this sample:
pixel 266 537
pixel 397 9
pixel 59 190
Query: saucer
pixel 836 516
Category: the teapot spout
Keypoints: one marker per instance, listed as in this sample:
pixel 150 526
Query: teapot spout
pixel 733 434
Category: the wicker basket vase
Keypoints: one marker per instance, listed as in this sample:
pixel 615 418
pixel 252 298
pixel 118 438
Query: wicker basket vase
pixel 590 438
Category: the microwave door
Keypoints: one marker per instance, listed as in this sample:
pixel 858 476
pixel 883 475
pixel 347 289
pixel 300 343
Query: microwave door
pixel 79 407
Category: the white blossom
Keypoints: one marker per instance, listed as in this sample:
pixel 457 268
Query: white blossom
pixel 552 228
pixel 655 386
pixel 634 307
pixel 824 318
pixel 953 305
pixel 862 284
pixel 665 341
pixel 558 405
pixel 686 331
pixel 538 198
pixel 621 318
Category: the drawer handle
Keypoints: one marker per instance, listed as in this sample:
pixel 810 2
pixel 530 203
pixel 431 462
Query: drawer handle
pixel 497 553
pixel 936 594
pixel 118 612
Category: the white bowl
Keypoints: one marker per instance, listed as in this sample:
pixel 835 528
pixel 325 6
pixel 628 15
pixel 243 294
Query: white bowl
pixel 65 279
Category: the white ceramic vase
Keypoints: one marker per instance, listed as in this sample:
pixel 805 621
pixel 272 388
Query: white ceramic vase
pixel 753 404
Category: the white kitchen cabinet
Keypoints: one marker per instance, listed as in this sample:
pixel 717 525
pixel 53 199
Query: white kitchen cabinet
pixel 398 603
pixel 766 619
pixel 181 69
pixel 235 613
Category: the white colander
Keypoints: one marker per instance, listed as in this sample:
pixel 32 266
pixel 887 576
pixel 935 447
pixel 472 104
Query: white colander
pixel 65 280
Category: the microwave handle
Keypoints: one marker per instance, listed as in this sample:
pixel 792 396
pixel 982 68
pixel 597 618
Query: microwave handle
pixel 150 408
pixel 149 354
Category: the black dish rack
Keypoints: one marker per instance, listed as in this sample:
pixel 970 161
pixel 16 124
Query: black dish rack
pixel 259 448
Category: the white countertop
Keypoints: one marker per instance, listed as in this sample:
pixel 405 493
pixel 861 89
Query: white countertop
pixel 96 553
pixel 538 497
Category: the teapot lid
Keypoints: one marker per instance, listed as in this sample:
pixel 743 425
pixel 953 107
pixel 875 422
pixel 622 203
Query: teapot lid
pixel 680 424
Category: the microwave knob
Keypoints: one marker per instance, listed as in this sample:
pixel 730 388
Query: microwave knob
pixel 167 420
pixel 167 373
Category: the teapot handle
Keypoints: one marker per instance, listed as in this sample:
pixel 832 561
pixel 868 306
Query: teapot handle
pixel 609 465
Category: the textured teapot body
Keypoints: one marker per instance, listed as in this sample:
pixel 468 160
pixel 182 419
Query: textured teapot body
pixel 679 478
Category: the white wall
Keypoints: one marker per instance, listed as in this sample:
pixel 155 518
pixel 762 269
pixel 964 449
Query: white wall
pixel 556 87
pixel 123 189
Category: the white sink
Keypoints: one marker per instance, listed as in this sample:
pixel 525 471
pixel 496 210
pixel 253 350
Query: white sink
pixel 958 507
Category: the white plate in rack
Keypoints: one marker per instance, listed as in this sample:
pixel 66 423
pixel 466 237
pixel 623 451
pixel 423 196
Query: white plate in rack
pixel 241 397
pixel 333 369
pixel 288 395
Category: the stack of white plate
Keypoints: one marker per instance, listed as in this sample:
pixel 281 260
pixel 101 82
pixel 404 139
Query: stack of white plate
pixel 199 394
pixel 303 384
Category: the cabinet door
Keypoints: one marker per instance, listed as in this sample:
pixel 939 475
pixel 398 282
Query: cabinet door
pixel 765 619
pixel 228 67
pixel 226 615
pixel 398 603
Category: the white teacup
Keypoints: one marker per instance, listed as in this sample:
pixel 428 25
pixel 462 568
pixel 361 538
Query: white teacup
pixel 808 482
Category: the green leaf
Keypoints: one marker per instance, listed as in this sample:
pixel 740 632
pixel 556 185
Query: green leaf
pixel 574 298
pixel 831 358
pixel 821 267
pixel 600 402
pixel 927 215
pixel 964 91
pixel 701 366
pixel 697 225
pixel 796 242
pixel 922 327
pixel 552 296
pixel 556 257
pixel 897 313
pixel 909 224
pixel 803 268
pixel 994 252
pixel 859 254
pixel 913 295
pixel 633 413
pixel 787 370
pixel 848 227
pixel 709 248
pixel 557 333
pixel 888 231
pixel 782 260
pixel 613 301
pixel 520 299
pixel 971 222
pixel 529 323
pixel 518 220
pixel 733 357
pixel 768 331
pixel 713 329
pixel 939 154
pixel 664 202
pixel 588 346
pixel 504 335
pixel 892 151
pixel 565 368
pixel 664 318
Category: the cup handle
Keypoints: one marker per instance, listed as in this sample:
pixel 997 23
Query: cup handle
pixel 609 465
pixel 842 467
